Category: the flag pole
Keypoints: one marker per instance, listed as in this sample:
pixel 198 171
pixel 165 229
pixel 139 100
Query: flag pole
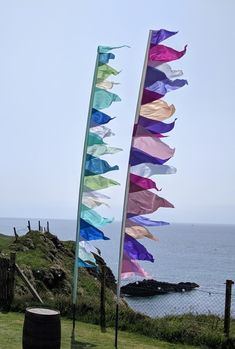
pixel 126 193
pixel 75 274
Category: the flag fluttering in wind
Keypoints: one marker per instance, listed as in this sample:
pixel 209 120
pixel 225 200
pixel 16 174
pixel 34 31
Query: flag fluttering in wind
pixel 148 153
pixel 90 222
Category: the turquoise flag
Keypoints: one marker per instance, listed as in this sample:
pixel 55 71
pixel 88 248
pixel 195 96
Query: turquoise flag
pixel 103 99
pixel 93 217
pixel 93 138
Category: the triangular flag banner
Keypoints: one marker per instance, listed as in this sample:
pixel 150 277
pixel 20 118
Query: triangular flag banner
pixel 163 53
pixel 157 110
pixel 99 118
pixel 132 268
pixel 156 126
pixel 89 232
pixel 138 231
pixel 147 222
pixel 101 149
pixel 104 71
pixel 148 169
pixel 98 182
pixel 160 35
pixel 95 166
pixel 92 217
pixel 135 250
pixel 105 57
pixel 145 202
pixel 103 99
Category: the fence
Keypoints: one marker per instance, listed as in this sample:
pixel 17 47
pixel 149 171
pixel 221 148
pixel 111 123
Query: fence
pixel 200 301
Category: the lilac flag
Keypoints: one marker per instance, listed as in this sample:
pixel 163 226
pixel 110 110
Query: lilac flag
pixel 156 126
pixel 165 86
pixel 153 146
pixel 161 35
pixel 135 250
pixel 147 222
pixel 163 53
pixel 150 96
pixel 145 202
pixel 138 157
pixel 131 268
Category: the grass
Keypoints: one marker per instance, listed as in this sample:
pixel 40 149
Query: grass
pixel 86 336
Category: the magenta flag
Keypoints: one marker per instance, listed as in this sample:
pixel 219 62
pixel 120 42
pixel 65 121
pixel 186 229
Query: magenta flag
pixel 131 268
pixel 153 146
pixel 145 202
pixel 141 182
pixel 162 53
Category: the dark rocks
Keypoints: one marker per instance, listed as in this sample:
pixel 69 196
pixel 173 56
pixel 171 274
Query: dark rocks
pixel 152 287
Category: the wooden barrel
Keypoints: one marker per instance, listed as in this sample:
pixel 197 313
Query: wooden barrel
pixel 42 329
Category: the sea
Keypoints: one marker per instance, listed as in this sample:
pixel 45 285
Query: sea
pixel 200 253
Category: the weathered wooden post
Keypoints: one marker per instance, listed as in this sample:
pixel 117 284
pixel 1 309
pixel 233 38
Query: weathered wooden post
pixel 227 309
pixel 29 226
pixel 16 235
pixel 102 299
pixel 48 227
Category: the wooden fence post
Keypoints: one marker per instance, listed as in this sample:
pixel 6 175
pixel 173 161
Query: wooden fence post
pixel 227 309
pixel 48 227
pixel 102 300
pixel 29 226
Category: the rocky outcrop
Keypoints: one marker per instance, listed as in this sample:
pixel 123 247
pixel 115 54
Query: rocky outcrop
pixel 152 287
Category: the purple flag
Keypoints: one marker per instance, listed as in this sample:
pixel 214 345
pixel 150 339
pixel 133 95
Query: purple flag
pixel 156 126
pixel 153 75
pixel 161 35
pixel 145 202
pixel 150 96
pixel 147 222
pixel 138 157
pixel 135 250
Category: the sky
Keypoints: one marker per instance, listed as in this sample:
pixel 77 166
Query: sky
pixel 48 52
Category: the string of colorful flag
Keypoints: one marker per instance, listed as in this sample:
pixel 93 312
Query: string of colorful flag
pixel 149 153
pixel 91 222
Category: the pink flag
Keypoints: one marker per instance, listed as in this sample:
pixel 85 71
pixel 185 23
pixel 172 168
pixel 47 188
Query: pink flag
pixel 141 183
pixel 162 53
pixel 145 141
pixel 131 268
pixel 144 202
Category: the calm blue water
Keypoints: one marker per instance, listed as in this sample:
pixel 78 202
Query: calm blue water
pixel 198 253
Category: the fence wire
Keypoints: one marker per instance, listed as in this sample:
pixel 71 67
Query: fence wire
pixel 198 301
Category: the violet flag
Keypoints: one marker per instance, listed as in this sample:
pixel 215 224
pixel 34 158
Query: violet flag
pixel 135 250
pixel 156 126
pixel 161 35
pixel 145 202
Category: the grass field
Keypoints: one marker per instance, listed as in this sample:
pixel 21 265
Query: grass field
pixel 86 336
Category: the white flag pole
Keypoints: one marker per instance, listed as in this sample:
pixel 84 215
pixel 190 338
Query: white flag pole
pixel 75 273
pixel 127 191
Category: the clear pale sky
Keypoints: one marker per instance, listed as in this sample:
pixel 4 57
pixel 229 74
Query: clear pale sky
pixel 48 51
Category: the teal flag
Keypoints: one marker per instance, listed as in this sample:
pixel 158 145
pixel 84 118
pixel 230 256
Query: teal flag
pixel 93 217
pixel 93 138
pixel 103 99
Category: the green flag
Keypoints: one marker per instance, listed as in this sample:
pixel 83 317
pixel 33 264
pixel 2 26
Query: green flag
pixel 98 182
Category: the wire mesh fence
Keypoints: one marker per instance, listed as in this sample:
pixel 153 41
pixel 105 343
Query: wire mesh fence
pixel 198 301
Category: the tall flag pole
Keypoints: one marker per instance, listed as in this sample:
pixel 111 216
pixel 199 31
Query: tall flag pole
pixel 148 155
pixel 89 222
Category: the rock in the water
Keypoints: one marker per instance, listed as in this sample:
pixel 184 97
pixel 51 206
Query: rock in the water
pixel 152 287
